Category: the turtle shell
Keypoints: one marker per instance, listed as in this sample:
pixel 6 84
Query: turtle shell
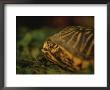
pixel 72 48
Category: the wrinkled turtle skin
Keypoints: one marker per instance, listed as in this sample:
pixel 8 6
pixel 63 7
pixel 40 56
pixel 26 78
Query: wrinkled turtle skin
pixel 72 48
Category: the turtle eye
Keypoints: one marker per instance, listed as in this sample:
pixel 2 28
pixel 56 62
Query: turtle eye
pixel 50 45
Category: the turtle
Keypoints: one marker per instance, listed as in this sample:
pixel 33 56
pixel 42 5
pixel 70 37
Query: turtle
pixel 71 48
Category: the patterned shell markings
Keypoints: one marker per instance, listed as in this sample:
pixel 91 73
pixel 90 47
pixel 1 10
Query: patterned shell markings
pixel 71 48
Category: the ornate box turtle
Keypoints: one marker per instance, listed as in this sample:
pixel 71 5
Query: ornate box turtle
pixel 72 48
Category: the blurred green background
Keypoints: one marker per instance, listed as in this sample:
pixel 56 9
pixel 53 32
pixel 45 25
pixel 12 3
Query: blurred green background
pixel 32 31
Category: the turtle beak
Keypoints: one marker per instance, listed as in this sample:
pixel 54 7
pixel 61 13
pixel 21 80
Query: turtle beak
pixel 45 45
pixel 43 50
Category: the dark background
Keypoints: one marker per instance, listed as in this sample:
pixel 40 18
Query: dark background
pixel 34 22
